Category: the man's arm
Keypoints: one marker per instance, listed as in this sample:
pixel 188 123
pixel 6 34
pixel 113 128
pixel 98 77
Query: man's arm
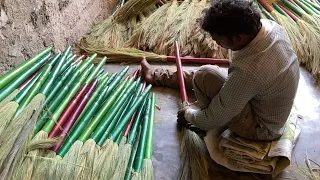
pixel 239 88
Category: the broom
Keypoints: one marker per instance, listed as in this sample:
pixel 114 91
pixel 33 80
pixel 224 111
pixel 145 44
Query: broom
pixel 147 170
pixel 12 85
pixel 8 115
pixel 27 118
pixel 77 130
pixel 36 143
pixel 58 97
pixel 110 160
pixel 138 162
pixel 107 125
pixel 194 162
pixel 90 149
pixel 136 138
pixel 46 165
pixel 51 62
pixel 13 73
pixel 74 152
pixel 125 148
pixel 10 133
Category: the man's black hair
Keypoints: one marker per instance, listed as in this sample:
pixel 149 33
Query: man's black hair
pixel 231 17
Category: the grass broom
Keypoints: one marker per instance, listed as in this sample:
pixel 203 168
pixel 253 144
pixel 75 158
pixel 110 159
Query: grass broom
pixel 110 123
pixel 194 162
pixel 138 162
pixel 59 96
pixel 125 146
pixel 106 125
pixel 110 160
pixel 13 73
pixel 27 118
pixel 14 104
pixel 36 144
pixel 46 166
pixel 71 148
pixel 19 121
pixel 147 170
pixel 89 150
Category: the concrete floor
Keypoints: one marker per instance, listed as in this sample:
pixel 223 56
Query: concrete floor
pixel 166 159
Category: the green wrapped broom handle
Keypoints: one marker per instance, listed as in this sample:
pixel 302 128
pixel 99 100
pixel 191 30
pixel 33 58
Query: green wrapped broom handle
pixel 96 70
pixel 115 132
pixel 136 123
pixel 138 162
pixel 19 97
pixel 34 90
pixel 83 122
pixel 11 86
pixel 49 125
pixel 114 120
pixel 104 109
pixel 136 140
pixel 106 120
pixel 148 153
pixel 55 73
pixel 9 76
pixel 87 62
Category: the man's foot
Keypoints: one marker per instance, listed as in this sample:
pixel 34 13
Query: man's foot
pixel 147 71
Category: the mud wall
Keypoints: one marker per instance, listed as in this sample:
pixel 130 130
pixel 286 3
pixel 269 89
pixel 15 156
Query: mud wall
pixel 27 26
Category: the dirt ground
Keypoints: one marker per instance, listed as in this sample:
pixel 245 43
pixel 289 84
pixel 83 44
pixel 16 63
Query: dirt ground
pixel 27 26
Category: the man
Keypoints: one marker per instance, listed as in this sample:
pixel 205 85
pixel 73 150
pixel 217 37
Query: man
pixel 256 96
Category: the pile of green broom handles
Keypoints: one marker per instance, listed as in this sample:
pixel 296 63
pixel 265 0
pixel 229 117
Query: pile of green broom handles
pixel 62 117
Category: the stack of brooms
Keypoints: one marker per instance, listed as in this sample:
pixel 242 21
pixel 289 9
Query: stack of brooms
pixel 64 118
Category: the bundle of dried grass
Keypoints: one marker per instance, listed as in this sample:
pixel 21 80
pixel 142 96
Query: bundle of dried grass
pixel 173 22
pixel 114 31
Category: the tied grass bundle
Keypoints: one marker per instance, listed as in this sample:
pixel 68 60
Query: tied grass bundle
pixel 14 138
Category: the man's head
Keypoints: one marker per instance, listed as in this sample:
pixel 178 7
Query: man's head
pixel 231 23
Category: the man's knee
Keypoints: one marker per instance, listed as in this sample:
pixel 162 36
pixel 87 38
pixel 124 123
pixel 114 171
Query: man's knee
pixel 209 76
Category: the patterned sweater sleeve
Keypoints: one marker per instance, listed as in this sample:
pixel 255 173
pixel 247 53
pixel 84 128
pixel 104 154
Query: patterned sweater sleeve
pixel 240 87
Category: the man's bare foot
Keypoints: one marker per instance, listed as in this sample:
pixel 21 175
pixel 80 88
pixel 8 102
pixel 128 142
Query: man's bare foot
pixel 147 71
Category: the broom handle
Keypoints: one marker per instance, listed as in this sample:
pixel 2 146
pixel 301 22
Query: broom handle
pixel 75 114
pixel 18 70
pixel 80 58
pixel 126 133
pixel 87 63
pixel 265 5
pixel 199 60
pixel 289 13
pixel 51 61
pixel 183 92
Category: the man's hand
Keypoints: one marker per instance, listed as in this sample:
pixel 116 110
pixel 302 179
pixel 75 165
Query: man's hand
pixel 181 119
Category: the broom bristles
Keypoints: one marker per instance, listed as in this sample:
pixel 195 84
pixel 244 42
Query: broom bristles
pixel 9 98
pixel 194 160
pixel 109 164
pixel 6 113
pixel 43 143
pixel 147 170
pixel 41 170
pixel 100 159
pixel 66 171
pixel 86 159
pixel 14 159
pixel 124 156
pixel 9 135
pixel 136 176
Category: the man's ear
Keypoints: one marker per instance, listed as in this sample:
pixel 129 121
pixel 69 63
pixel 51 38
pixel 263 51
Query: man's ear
pixel 239 39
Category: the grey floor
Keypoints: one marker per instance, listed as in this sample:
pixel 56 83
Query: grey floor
pixel 166 159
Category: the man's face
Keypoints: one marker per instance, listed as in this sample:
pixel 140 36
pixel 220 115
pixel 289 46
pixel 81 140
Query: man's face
pixel 226 42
